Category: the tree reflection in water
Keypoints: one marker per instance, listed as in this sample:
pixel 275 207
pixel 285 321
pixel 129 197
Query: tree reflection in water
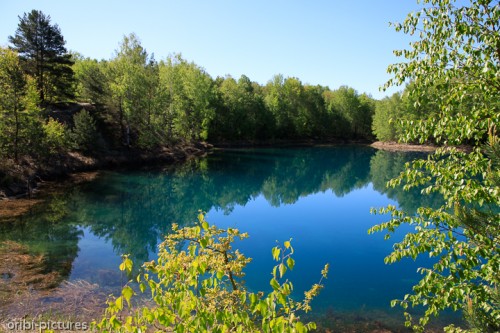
pixel 132 209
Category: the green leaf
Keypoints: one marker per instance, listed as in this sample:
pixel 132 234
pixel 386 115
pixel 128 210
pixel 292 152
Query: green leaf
pixel 204 225
pixel 254 298
pixel 290 263
pixel 116 324
pixel 181 282
pixel 263 308
pixel 299 327
pixel 192 250
pixel 127 293
pixel 282 299
pixel 276 253
pixel 274 284
pixel 122 266
pixel 119 303
pixel 126 264
pixel 311 326
pixel 201 218
pixel 282 269
pixel 202 267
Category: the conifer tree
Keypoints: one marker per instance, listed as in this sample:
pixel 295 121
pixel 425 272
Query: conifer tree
pixel 43 56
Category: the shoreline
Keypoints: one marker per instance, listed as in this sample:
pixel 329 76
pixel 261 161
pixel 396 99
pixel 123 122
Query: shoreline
pixel 407 147
pixel 73 167
pixel 395 146
pixel 17 198
pixel 287 143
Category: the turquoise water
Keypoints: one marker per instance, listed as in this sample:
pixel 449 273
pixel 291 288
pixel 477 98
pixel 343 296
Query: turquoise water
pixel 320 197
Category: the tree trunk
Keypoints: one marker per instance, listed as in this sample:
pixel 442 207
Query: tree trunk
pixel 122 128
pixel 16 131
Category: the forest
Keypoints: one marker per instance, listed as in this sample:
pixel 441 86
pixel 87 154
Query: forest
pixel 54 101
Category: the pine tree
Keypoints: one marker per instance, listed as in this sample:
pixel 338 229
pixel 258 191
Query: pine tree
pixel 43 55
pixel 84 134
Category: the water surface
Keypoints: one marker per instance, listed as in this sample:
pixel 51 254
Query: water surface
pixel 320 197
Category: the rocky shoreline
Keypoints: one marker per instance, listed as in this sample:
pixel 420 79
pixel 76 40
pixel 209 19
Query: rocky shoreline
pixel 406 147
pixel 22 180
pixel 395 146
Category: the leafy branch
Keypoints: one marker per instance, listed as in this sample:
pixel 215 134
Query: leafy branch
pixel 196 286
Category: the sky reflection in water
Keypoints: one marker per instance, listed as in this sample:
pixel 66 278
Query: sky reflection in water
pixel 319 197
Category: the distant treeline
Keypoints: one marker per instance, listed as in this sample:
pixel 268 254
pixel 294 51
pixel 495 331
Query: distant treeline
pixel 144 103
pixel 158 102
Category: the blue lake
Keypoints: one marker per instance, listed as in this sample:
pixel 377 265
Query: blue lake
pixel 320 197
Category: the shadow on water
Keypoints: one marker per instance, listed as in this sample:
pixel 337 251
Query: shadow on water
pixel 78 235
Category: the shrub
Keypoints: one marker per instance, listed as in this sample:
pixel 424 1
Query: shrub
pixel 84 134
pixel 196 286
pixel 55 136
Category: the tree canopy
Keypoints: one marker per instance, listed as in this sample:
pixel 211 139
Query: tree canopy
pixel 456 57
pixel 143 103
pixel 18 108
pixel 40 46
pixel 171 100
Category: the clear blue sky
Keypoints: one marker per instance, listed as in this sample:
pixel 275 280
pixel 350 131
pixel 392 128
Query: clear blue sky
pixel 331 43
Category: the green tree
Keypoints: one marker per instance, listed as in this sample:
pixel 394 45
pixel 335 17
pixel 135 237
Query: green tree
pixel 388 113
pixel 91 81
pixel 317 119
pixel 365 114
pixel 286 99
pixel 355 111
pixel 19 113
pixel 404 107
pixel 55 138
pixel 196 285
pixel 457 55
pixel 127 75
pixel 231 115
pixel 276 103
pixel 259 121
pixel 295 109
pixel 43 55
pixel 84 134
pixel 189 92
pixel 195 117
pixel 240 115
pixel 151 131
pixel 337 125
pixel 170 97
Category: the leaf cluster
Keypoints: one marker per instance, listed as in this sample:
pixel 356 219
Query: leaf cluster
pixel 196 286
pixel 457 56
